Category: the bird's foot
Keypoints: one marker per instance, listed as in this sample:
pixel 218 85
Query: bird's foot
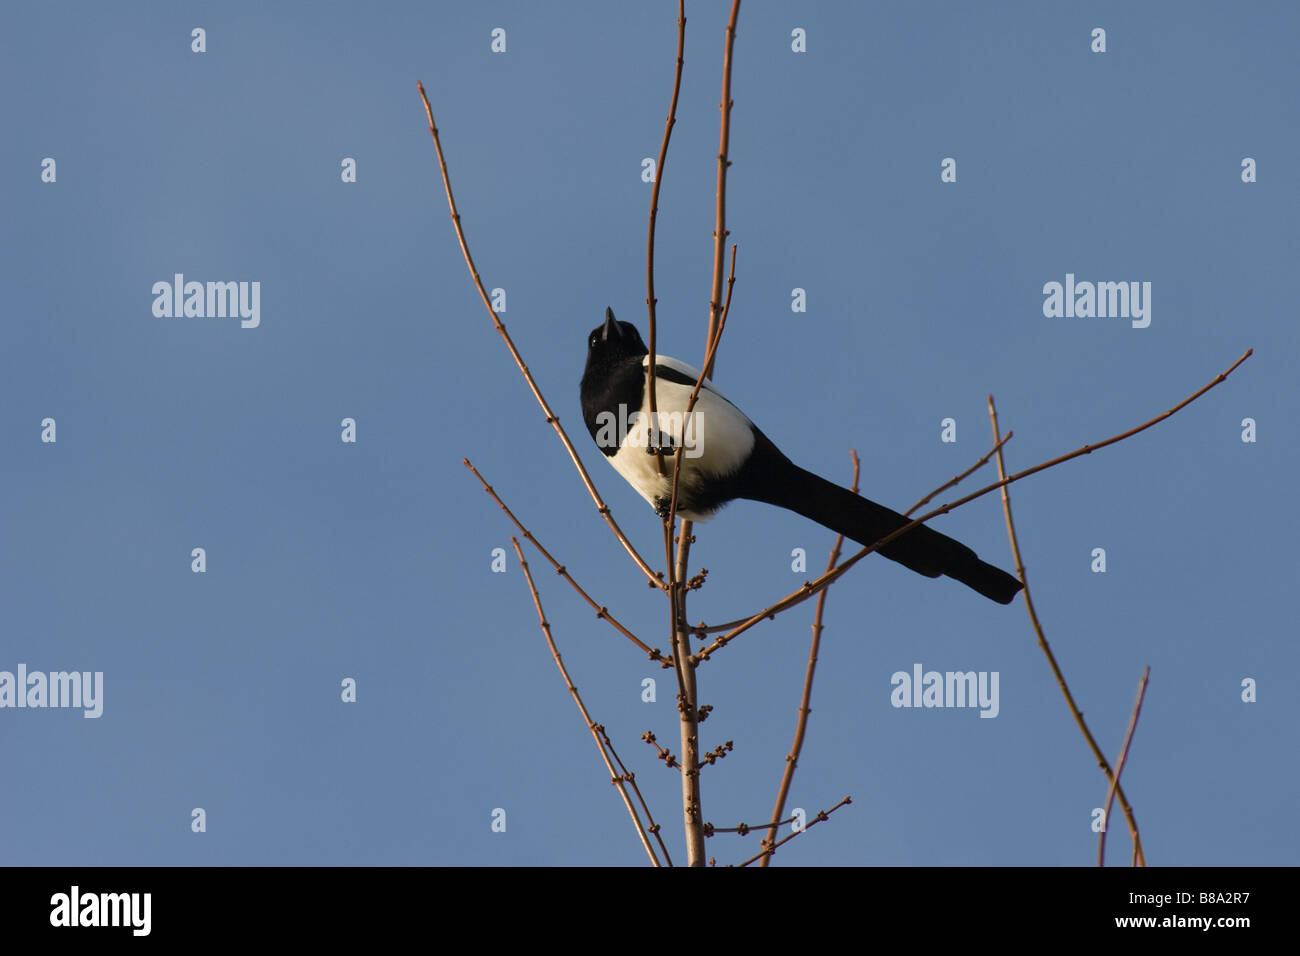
pixel 661 443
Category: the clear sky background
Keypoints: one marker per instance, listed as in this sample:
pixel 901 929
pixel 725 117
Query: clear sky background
pixel 372 560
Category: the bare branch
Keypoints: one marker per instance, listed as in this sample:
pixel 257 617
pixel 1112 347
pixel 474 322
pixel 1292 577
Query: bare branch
pixel 822 815
pixel 615 778
pixel 1047 648
pixel 813 587
pixel 674 606
pixel 796 748
pixel 664 755
pixel 810 588
pixel 650 299
pixel 720 205
pixel 602 612
pixel 1119 769
pixel 552 419
pixel 630 777
pixel 957 479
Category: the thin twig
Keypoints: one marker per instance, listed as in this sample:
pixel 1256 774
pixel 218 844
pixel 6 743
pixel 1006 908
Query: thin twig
pixel 665 756
pixel 602 612
pixel 630 777
pixel 689 716
pixel 957 479
pixel 821 816
pixel 702 630
pixel 683 697
pixel 1119 768
pixel 720 196
pixel 812 587
pixel 650 299
pixel 614 777
pixel 796 748
pixel 744 829
pixel 695 392
pixel 552 419
pixel 1046 647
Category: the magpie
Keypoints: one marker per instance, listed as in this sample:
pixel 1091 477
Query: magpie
pixel 725 456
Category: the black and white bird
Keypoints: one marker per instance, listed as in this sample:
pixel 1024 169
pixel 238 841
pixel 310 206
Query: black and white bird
pixel 727 457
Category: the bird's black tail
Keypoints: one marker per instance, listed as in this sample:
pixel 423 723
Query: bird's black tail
pixel 922 549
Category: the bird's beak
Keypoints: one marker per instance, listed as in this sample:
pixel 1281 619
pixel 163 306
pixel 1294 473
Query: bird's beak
pixel 611 325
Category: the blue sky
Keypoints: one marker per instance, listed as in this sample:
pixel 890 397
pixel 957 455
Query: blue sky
pixel 372 560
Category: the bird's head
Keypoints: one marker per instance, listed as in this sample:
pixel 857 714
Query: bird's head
pixel 614 340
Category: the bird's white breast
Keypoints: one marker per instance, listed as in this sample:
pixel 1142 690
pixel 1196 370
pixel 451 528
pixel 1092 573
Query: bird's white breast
pixel 717 438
